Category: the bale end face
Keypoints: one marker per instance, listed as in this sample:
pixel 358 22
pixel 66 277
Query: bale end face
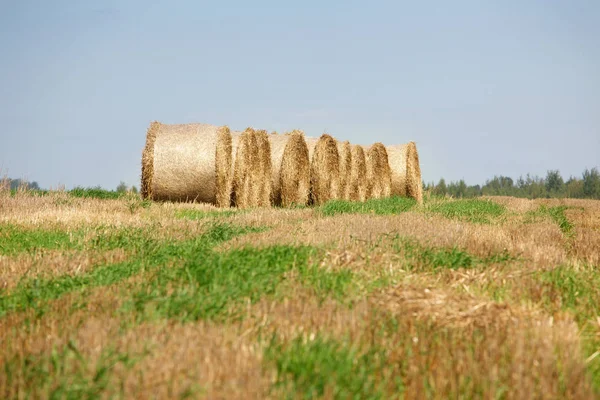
pixel 223 160
pixel 148 160
pixel 324 170
pixel 414 183
pixel 294 175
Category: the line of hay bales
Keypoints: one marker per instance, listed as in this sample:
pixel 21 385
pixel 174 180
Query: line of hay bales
pixel 206 163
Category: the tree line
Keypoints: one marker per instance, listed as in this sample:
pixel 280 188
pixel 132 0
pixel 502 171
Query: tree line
pixel 551 186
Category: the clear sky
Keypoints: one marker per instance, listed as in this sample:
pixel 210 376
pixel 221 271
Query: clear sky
pixel 483 87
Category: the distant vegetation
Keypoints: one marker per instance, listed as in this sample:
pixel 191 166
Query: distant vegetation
pixel 552 186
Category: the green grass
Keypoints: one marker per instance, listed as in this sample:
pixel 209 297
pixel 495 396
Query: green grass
pixel 209 284
pixel 16 239
pixel 425 258
pixel 471 210
pixel 556 214
pixel 65 373
pixel 196 215
pixel 310 368
pixel 96 193
pixel 149 255
pixel 576 291
pixel 391 205
pixel 30 192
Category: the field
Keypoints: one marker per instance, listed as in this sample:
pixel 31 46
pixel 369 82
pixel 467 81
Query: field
pixel 494 298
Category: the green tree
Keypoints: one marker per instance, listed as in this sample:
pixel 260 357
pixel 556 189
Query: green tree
pixel 591 183
pixel 574 188
pixel 122 187
pixel 554 184
pixel 441 189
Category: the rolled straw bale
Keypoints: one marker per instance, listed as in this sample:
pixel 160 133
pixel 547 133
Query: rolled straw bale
pixel 345 154
pixel 358 174
pixel 290 164
pixel 324 169
pixel 148 161
pixel 186 162
pixel 414 182
pixel 263 182
pixel 243 143
pixel 379 175
pixel 406 171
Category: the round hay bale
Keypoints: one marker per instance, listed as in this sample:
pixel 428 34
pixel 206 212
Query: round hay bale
pixel 186 162
pixel 148 161
pixel 324 169
pixel 223 161
pixel 406 171
pixel 358 175
pixel 244 145
pixel 379 175
pixel 345 154
pixel 414 182
pixel 290 177
pixel 263 182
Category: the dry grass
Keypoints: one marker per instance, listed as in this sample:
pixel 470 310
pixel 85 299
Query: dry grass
pixel 47 263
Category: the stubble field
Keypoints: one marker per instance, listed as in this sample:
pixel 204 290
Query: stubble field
pixel 494 298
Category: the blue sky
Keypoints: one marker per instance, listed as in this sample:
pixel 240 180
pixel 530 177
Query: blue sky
pixel 483 87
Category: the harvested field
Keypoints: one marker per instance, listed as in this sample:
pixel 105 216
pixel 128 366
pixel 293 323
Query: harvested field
pixel 479 298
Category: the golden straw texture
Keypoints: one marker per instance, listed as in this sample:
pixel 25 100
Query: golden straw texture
pixel 358 174
pixel 345 156
pixel 290 176
pixel 379 177
pixel 184 162
pixel 324 169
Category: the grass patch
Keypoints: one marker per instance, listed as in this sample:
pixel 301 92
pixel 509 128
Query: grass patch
pixel 326 283
pixel 96 193
pixel 576 291
pixel 64 373
pixel 424 258
pixel 16 239
pixel 196 215
pixel 209 285
pixel 150 255
pixel 471 210
pixel 556 214
pixel 312 368
pixel 387 206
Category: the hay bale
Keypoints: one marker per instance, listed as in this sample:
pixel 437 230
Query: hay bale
pixel 290 177
pixel 244 145
pixel 263 182
pixel 358 175
pixel 406 171
pixel 414 182
pixel 345 154
pixel 324 169
pixel 223 162
pixel 379 175
pixel 186 162
pixel 148 161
